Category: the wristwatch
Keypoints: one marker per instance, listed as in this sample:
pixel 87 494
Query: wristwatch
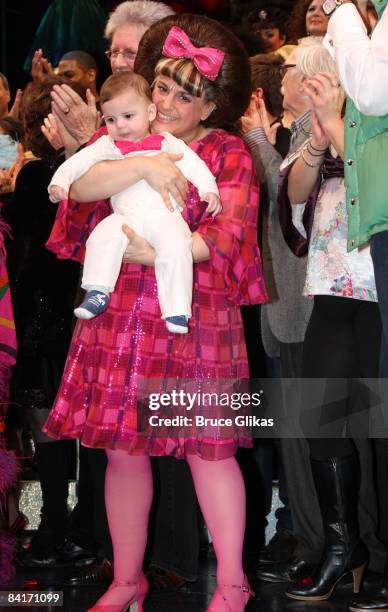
pixel 329 6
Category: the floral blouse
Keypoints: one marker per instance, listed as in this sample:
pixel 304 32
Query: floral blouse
pixel 331 269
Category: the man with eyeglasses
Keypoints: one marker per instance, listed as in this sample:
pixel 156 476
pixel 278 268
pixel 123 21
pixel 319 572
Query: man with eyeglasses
pixel 125 28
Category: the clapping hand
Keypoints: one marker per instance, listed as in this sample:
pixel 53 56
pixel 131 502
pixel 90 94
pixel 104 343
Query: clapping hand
pixel 8 177
pixel 326 96
pixel 40 67
pixel 79 118
pixel 318 139
pixel 57 135
pixel 256 116
pixel 15 108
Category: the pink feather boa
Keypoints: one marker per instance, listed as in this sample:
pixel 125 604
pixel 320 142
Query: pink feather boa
pixel 8 477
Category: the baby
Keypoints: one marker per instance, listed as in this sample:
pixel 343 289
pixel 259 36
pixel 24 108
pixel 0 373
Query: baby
pixel 128 110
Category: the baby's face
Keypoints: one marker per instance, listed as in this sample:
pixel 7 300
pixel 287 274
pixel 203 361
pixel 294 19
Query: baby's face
pixel 128 116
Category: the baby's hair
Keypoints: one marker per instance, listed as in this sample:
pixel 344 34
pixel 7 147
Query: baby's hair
pixel 121 81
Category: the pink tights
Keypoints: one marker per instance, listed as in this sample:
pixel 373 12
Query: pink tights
pixel 221 495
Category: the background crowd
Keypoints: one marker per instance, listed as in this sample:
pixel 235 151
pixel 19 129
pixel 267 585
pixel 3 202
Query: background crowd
pixel 321 318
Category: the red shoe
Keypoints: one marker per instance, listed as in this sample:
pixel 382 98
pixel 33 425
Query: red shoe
pixel 223 597
pixel 135 604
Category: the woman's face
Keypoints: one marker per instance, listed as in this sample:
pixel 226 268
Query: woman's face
pixel 178 111
pixel 316 20
pixel 272 38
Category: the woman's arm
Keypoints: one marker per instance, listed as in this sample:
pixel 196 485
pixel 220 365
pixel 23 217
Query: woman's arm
pixel 335 132
pixel 110 177
pixel 362 61
pixel 327 97
pixel 141 252
pixel 306 169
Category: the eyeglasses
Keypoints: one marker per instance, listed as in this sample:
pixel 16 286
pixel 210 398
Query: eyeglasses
pixel 126 54
pixel 283 69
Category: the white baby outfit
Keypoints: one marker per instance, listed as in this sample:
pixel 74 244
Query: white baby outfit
pixel 142 208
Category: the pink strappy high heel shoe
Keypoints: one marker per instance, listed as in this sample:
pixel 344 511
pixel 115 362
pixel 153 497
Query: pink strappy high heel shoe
pixel 135 604
pixel 222 590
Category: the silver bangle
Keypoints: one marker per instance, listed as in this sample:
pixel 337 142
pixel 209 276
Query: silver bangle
pixel 308 163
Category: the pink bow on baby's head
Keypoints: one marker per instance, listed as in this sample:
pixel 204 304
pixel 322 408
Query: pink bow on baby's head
pixel 207 60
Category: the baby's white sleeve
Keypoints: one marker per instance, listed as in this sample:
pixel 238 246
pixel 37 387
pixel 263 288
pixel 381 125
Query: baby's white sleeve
pixel 79 163
pixel 192 166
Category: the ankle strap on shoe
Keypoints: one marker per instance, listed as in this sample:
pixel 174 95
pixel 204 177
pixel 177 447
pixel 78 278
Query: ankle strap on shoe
pixel 123 583
pixel 242 587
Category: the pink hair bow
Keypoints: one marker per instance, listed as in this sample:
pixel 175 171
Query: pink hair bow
pixel 207 60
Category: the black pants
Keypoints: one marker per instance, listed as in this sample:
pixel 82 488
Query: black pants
pixel 342 343
pixel 175 519
pixel 306 518
pixel 88 521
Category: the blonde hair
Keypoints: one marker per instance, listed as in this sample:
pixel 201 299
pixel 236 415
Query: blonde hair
pixel 140 13
pixel 285 51
pixel 183 72
pixel 308 41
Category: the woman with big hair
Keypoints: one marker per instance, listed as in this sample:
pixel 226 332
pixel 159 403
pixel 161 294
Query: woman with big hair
pixel 201 82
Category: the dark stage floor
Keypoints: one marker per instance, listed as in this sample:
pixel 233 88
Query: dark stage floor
pixel 270 598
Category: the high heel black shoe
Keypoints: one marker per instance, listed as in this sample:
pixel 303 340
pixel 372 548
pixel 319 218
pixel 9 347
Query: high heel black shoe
pixel 378 603
pixel 336 481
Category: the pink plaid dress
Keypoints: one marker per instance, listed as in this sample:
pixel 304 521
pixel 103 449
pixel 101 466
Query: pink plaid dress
pixel 127 352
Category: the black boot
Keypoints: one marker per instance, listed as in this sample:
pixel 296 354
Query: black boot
pixel 336 482
pixel 379 603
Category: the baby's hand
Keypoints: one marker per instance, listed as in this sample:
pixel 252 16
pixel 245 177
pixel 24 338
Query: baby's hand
pixel 214 203
pixel 57 194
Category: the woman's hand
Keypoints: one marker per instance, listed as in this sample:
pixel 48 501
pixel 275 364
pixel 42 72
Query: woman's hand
pixel 8 177
pixel 257 117
pixel 15 109
pixel 40 67
pixel 252 118
pixel 326 96
pixel 138 250
pixel 319 140
pixel 58 136
pixel 164 176
pixel 80 119
pixel 109 177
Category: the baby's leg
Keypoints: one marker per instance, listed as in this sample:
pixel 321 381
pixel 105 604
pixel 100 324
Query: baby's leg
pixel 104 254
pixel 171 238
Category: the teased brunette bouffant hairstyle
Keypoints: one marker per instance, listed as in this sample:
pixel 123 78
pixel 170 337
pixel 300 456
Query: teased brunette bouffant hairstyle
pixel 230 91
pixel 122 81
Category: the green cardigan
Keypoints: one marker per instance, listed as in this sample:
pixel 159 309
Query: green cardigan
pixel 366 170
